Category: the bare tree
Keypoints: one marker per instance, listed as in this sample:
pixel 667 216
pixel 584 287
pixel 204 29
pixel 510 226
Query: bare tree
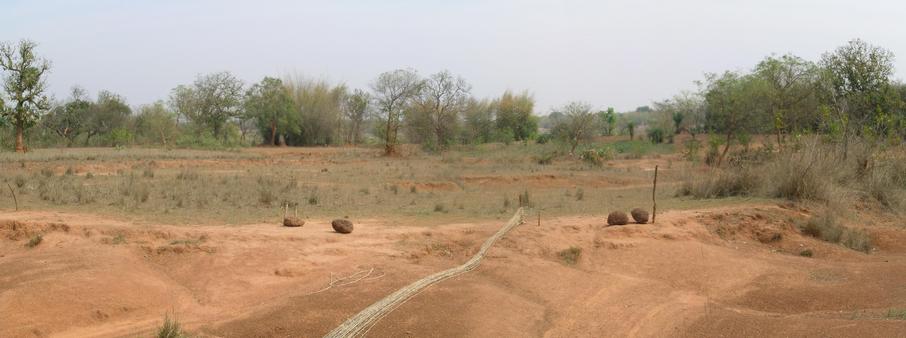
pixel 576 125
pixel 443 98
pixel 393 92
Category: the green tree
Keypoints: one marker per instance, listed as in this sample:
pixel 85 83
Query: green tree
pixel 678 117
pixel 692 107
pixel 24 83
pixel 108 113
pixel 735 104
pixel 67 120
pixel 608 120
pixel 478 118
pixel 156 124
pixel 318 107
pixel 515 115
pixel 857 79
pixel 211 102
pixel 393 92
pixel 791 93
pixel 630 128
pixel 269 103
pixel 356 111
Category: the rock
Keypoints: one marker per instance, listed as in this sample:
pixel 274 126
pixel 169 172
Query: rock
pixel 617 218
pixel 293 222
pixel 343 226
pixel 640 216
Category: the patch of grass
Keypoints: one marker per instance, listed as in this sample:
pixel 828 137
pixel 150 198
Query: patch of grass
pixel 187 174
pixel 896 314
pixel 186 242
pixel 47 172
pixel 570 256
pixel 580 194
pixel 148 173
pixel 171 329
pixel 827 228
pixel 806 253
pixel 721 183
pixel 20 181
pixel 70 171
pixel 440 208
pixel 34 241
pixel 118 239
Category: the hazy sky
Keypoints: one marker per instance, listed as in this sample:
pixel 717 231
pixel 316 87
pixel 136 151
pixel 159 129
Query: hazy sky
pixel 608 53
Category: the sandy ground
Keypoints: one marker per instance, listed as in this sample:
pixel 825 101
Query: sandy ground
pixel 95 277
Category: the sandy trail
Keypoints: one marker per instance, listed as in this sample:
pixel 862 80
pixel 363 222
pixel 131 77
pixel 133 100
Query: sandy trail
pixel 94 277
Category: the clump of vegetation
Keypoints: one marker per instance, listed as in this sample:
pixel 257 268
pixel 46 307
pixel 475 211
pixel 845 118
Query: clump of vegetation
pixel 570 256
pixel 827 228
pixel 524 199
pixel 723 183
pixel 171 329
pixel 806 253
pixel 187 174
pixel 598 156
pixel 20 181
pixel 897 314
pixel 440 208
pixel 34 241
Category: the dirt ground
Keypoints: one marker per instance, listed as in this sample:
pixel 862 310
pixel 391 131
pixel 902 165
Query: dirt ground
pixel 95 277
pixel 227 268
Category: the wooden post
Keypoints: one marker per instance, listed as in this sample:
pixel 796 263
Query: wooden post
pixel 654 197
pixel 16 200
pixel 539 218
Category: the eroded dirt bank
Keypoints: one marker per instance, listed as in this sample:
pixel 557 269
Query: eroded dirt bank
pixel 719 272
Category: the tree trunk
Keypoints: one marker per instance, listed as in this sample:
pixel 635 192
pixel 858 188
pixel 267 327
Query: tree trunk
pixel 273 133
pixel 726 148
pixel 20 140
pixel 389 146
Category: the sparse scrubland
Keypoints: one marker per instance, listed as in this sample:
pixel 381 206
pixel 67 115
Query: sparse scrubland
pixel 780 198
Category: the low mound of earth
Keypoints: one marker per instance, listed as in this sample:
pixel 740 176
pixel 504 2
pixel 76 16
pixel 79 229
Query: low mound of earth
pixel 721 272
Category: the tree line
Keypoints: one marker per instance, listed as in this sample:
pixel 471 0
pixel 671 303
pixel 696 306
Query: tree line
pixel 849 92
pixel 218 109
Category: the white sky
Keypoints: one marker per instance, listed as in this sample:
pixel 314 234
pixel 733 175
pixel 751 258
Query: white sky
pixel 622 54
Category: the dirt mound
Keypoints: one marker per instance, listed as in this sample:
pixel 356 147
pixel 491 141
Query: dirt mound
pixel 15 230
pixel 293 222
pixel 640 216
pixel 617 218
pixel 343 226
pixel 697 273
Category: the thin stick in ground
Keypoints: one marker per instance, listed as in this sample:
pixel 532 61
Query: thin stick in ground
pixel 11 192
pixel 654 197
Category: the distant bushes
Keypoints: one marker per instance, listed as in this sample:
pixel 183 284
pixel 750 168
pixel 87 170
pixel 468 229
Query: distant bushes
pixel 811 171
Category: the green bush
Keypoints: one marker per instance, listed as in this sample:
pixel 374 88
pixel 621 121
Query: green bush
pixel 656 135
